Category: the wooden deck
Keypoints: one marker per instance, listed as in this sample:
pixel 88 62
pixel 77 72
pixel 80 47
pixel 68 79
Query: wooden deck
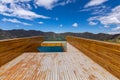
pixel 70 65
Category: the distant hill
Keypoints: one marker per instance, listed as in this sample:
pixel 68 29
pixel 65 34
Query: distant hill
pixel 100 36
pixel 9 34
pixel 115 38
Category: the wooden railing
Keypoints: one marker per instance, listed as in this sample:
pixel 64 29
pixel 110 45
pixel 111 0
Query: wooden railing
pixel 9 49
pixel 51 43
pixel 105 54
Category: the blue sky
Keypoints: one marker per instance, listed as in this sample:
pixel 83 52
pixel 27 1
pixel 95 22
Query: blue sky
pixel 96 16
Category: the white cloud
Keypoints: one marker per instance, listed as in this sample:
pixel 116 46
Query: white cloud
pixel 97 10
pixel 41 22
pixel 7 1
pixel 23 0
pixel 112 18
pixel 56 18
pixel 65 2
pixel 114 32
pixel 92 23
pixel 14 1
pixel 15 21
pixel 22 8
pixel 3 8
pixel 95 3
pixel 116 29
pixel 75 24
pixel 18 9
pixel 49 4
pixel 61 25
pixel 19 12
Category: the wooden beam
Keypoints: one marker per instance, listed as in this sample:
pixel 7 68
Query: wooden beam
pixel 9 49
pixel 103 53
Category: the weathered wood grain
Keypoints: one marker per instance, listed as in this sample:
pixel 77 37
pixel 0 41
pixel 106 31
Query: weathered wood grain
pixel 56 43
pixel 103 53
pixel 70 65
pixel 51 44
pixel 9 49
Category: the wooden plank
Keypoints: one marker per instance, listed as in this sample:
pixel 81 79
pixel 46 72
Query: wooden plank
pixel 9 49
pixel 105 54
pixel 70 65
pixel 51 44
pixel 55 43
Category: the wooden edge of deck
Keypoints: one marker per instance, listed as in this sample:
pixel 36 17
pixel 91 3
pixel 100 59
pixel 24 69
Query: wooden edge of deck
pixel 105 54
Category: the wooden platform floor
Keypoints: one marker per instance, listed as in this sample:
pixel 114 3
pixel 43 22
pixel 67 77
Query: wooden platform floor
pixel 70 65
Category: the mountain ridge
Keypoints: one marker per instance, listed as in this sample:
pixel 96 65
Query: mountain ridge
pixel 51 36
